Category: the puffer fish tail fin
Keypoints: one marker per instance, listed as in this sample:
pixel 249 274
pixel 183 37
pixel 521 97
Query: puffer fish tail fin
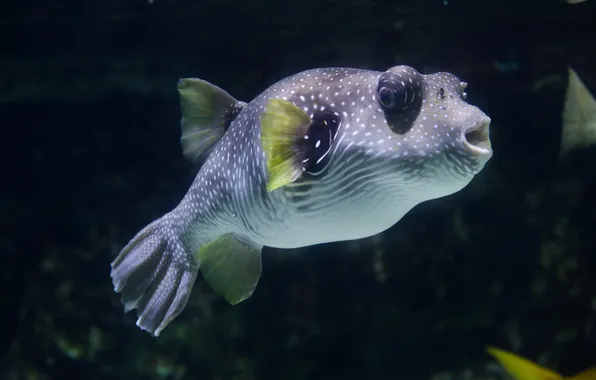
pixel 207 112
pixel 521 368
pixel 154 275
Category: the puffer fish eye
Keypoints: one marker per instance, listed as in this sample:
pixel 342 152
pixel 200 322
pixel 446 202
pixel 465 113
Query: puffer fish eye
pixel 399 92
pixel 388 96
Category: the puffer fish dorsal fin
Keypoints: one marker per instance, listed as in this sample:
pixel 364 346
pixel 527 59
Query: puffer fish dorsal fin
pixel 231 266
pixel 589 374
pixel 521 368
pixel 207 112
pixel 579 116
pixel 282 125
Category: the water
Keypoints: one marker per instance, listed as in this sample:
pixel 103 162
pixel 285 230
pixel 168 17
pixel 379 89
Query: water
pixel 90 120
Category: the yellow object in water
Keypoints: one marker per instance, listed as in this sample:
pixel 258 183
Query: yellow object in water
pixel 523 369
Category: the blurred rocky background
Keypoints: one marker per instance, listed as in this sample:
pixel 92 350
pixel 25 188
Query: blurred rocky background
pixel 90 138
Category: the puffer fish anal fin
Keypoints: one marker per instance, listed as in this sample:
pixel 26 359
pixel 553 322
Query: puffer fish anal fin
pixel 207 112
pixel 521 368
pixel 579 116
pixel 282 125
pixel 231 266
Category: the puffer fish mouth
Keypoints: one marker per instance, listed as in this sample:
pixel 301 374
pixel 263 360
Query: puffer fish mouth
pixel 476 139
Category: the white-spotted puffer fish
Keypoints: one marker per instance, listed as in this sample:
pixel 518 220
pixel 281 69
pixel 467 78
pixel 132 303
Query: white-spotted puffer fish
pixel 325 155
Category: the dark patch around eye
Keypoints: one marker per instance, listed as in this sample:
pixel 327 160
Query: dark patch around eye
pixel 315 146
pixel 441 93
pixel 399 91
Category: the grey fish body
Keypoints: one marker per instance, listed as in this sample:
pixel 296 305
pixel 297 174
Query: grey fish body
pixel 376 145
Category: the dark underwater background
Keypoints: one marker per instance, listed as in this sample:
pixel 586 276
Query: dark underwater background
pixel 89 119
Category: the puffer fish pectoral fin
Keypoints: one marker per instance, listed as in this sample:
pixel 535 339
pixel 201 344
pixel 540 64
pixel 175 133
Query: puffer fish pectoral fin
pixel 154 275
pixel 521 368
pixel 207 112
pixel 282 126
pixel 231 266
